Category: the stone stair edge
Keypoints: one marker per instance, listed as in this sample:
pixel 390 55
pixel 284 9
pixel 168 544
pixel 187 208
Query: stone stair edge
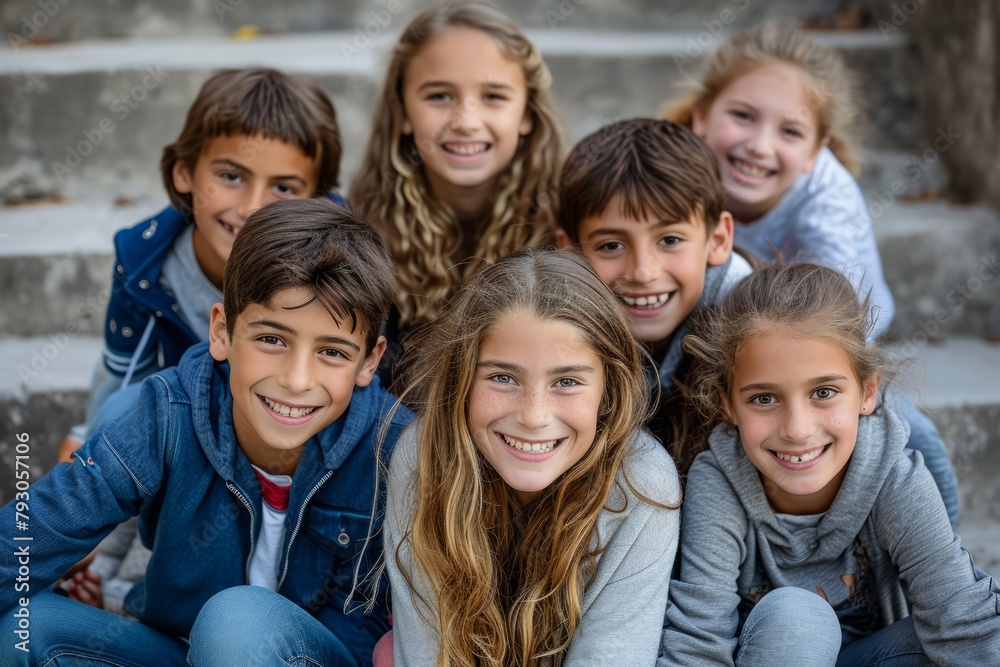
pixel 311 52
pixel 86 225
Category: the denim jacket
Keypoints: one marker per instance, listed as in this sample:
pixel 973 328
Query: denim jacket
pixel 175 462
pixel 143 328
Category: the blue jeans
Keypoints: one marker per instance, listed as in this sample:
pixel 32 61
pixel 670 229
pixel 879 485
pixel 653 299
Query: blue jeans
pixel 67 633
pixel 250 625
pixel 790 626
pixel 893 646
pixel 925 438
pixel 795 627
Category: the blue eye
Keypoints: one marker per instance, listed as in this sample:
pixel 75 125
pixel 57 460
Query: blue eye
pixel 825 393
pixel 566 383
pixel 502 378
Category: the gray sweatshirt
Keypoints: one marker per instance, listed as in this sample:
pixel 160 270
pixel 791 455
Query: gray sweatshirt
pixel 623 604
pixel 888 519
pixel 823 219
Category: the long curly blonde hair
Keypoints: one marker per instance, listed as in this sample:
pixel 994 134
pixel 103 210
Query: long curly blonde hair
pixel 391 188
pixel 509 579
pixel 832 86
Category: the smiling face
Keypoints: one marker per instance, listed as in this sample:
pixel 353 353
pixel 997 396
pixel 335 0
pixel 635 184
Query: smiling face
pixel 465 103
pixel 796 402
pixel 534 400
pixel 656 268
pixel 763 128
pixel 293 370
pixel 233 177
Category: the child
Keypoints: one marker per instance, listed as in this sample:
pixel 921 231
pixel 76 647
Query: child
pixel 810 535
pixel 251 462
pixel 642 199
pixel 463 155
pixel 529 520
pixel 250 137
pixel 778 111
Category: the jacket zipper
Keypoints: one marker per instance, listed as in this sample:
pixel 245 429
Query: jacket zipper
pixel 246 503
pixel 298 524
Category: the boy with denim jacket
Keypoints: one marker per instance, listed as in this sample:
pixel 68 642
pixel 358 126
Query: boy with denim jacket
pixel 252 462
pixel 642 199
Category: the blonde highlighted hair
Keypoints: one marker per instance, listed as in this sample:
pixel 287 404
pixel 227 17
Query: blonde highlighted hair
pixel 804 300
pixel 392 191
pixel 831 85
pixel 508 578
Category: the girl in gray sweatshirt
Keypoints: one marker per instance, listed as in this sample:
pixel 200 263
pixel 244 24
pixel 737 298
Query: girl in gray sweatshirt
pixel 810 535
pixel 530 521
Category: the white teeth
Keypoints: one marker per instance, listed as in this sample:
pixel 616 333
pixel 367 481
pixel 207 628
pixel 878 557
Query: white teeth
pixel 533 447
pixel 792 458
pixel 286 410
pixel 466 149
pixel 749 168
pixel 646 302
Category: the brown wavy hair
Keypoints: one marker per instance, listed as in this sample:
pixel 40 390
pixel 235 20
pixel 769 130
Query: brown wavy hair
pixel 508 578
pixel 832 86
pixel 392 191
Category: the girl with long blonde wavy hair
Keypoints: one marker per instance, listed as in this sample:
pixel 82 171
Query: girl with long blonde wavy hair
pixel 530 520
pixel 464 153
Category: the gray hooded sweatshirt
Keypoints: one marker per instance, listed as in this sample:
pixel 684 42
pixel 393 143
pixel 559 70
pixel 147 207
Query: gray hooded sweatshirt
pixel 887 525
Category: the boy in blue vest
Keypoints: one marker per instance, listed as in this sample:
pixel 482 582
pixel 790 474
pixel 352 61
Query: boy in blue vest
pixel 251 462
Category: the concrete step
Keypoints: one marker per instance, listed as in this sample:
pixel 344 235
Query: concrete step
pixel 960 392
pixel 47 20
pixel 93 116
pixel 55 266
pixel 43 393
pixel 44 382
pixel 941 263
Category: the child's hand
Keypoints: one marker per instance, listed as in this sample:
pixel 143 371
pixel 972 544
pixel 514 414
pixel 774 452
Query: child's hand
pixel 86 587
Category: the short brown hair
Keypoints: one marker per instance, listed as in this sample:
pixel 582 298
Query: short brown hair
pixel 660 169
pixel 258 102
pixel 316 244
